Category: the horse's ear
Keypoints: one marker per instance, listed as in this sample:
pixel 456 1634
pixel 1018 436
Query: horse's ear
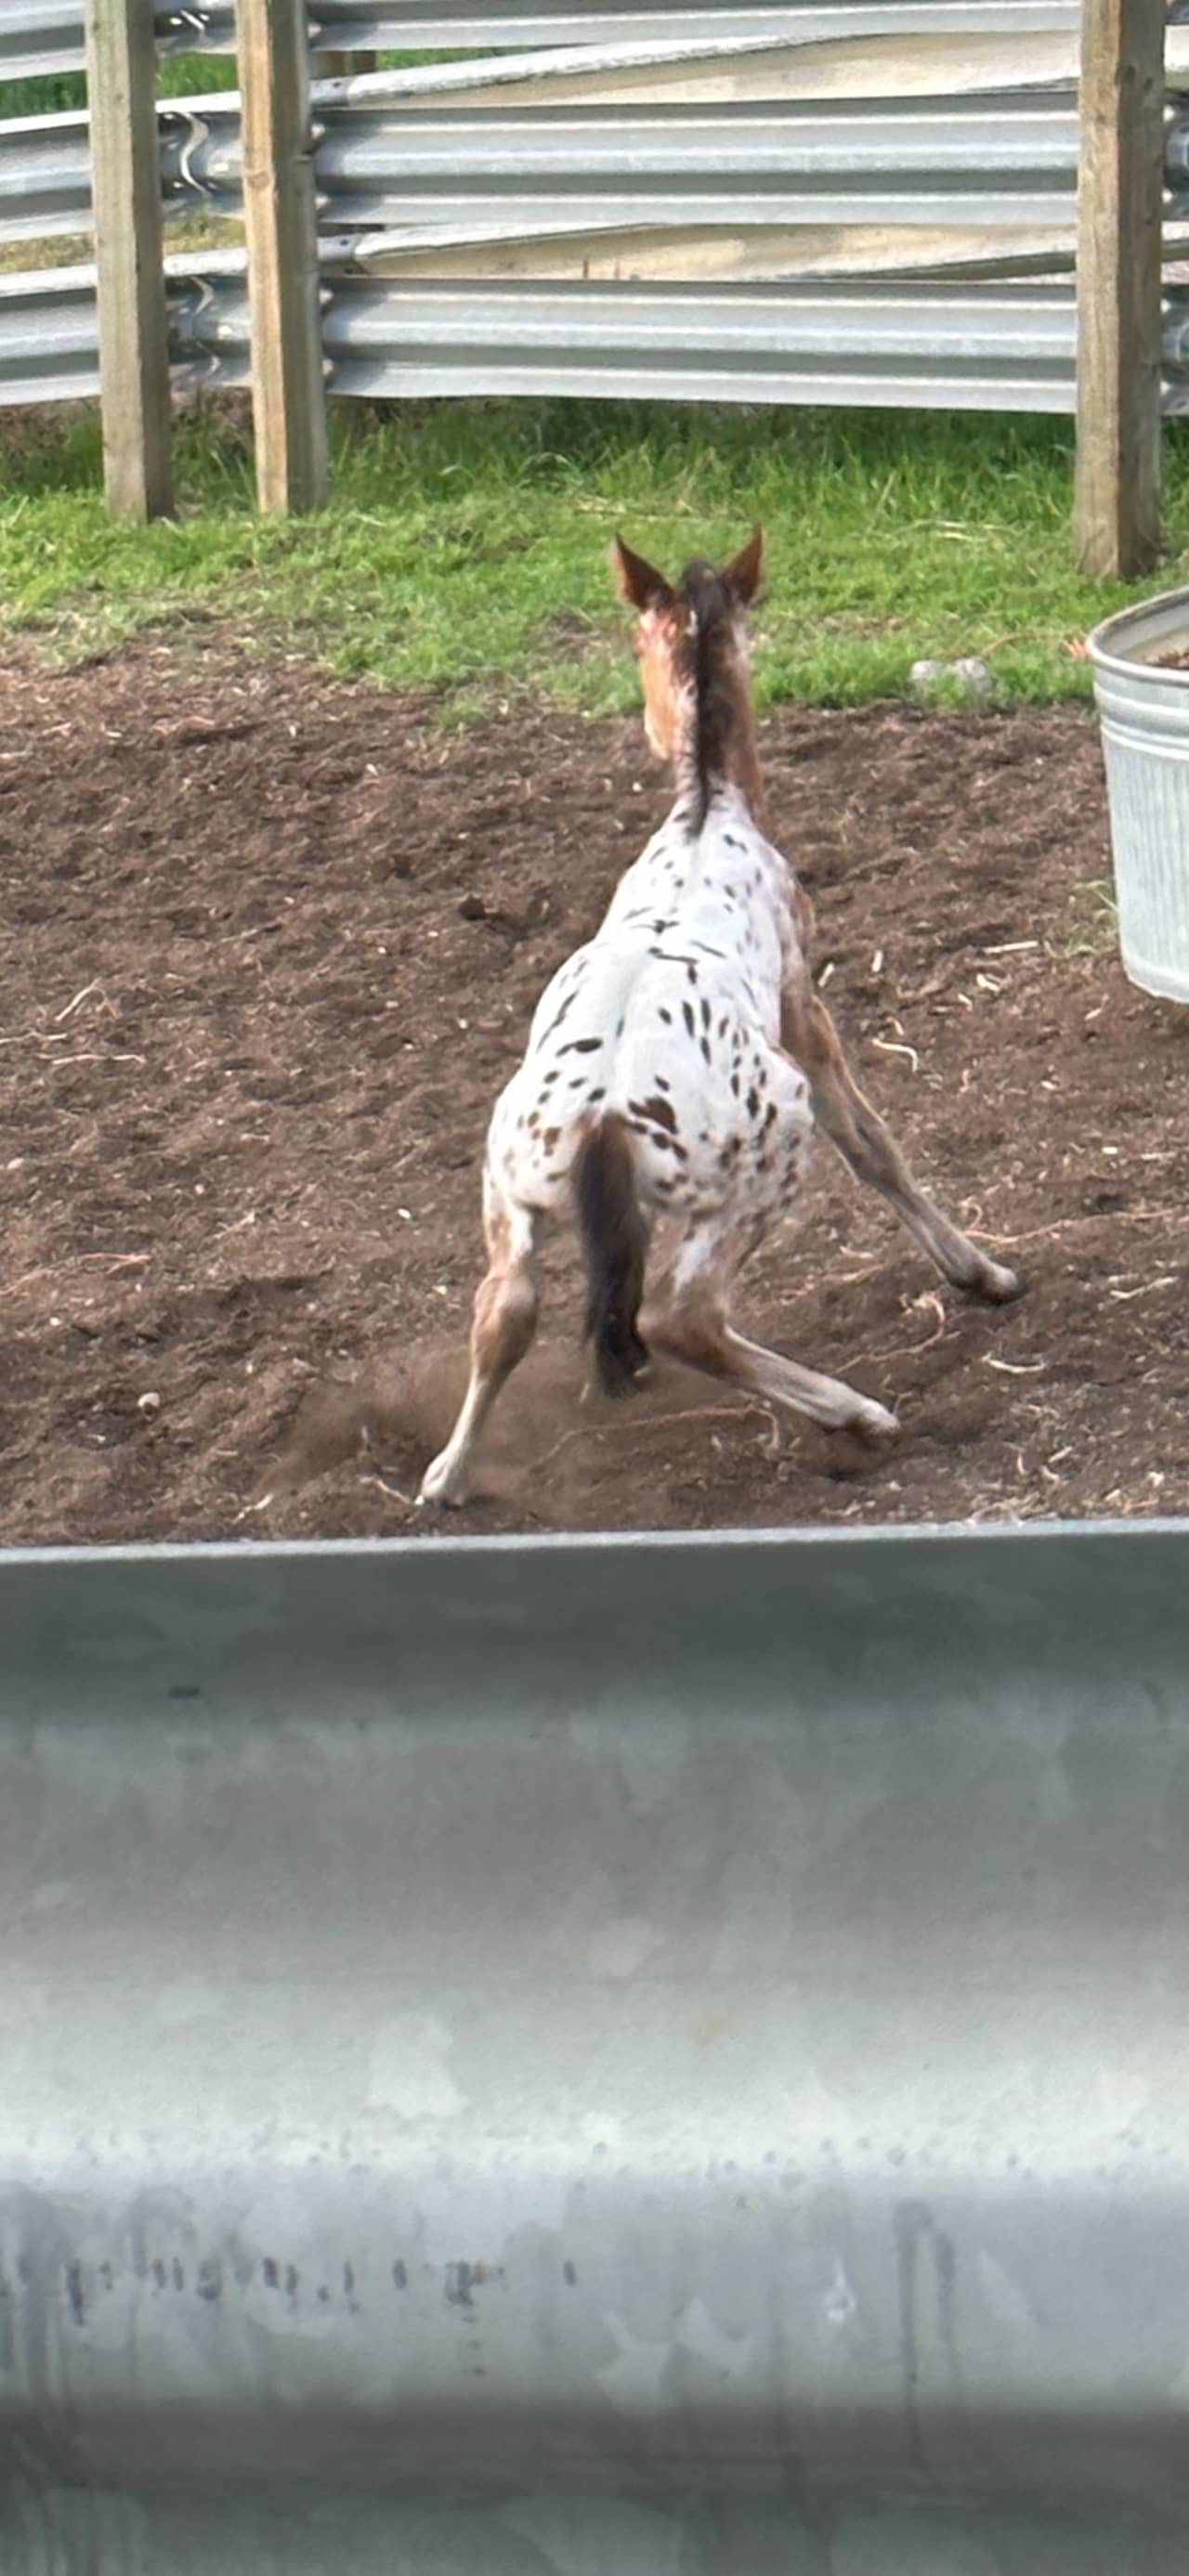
pixel 745 574
pixel 639 583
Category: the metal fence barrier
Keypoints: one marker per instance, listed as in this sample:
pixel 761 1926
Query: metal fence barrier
pixel 1013 348
pixel 1005 163
pixel 38 36
pixel 654 209
pixel 645 2056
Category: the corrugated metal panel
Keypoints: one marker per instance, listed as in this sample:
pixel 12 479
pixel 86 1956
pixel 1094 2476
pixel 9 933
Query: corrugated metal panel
pixel 663 180
pixel 1008 349
pixel 487 23
pixel 708 72
pixel 441 176
pixel 660 76
pixel 45 178
pixel 730 252
pixel 48 350
pixel 971 347
pixel 436 172
pixel 437 177
pixel 38 36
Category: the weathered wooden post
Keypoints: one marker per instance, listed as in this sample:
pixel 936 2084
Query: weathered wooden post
pixel 130 293
pixel 281 224
pixel 1120 207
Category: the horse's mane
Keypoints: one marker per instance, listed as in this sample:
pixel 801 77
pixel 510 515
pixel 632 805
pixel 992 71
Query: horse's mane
pixel 713 670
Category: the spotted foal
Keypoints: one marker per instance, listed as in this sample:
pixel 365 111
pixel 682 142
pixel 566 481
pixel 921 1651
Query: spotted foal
pixel 678 1064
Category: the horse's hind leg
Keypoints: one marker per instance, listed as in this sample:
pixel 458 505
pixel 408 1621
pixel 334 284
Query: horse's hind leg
pixel 505 1321
pixel 693 1328
pixel 704 1340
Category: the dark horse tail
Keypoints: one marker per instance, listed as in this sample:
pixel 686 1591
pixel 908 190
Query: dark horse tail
pixel 614 1241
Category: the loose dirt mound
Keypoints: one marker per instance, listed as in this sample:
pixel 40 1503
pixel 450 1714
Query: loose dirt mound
pixel 272 944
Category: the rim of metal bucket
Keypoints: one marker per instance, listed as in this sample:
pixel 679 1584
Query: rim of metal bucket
pixel 1102 639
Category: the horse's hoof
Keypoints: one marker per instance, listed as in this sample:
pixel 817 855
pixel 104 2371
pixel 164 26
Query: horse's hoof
pixel 873 1422
pixel 439 1486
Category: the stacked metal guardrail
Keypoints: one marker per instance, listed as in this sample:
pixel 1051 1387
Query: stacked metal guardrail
pixel 868 204
pixel 47 35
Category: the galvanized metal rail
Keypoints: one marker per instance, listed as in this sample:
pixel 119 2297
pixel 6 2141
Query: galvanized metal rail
pixel 1012 347
pixel 606 2055
pixel 1007 162
pixel 508 219
pixel 38 36
pixel 654 209
pixel 1005 348
pixel 527 174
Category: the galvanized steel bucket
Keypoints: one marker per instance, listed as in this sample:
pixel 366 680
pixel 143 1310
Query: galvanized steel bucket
pixel 1144 713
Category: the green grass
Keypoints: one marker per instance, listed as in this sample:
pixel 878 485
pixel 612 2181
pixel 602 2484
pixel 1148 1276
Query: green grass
pixel 466 547
pixel 465 550
pixel 178 76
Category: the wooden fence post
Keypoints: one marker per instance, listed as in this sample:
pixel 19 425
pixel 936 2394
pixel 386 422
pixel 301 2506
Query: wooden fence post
pixel 1120 207
pixel 281 224
pixel 130 292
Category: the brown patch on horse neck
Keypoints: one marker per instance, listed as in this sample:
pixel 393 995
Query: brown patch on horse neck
pixel 659 638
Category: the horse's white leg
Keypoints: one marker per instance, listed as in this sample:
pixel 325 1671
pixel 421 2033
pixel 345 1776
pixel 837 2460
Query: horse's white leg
pixel 505 1321
pixel 694 1329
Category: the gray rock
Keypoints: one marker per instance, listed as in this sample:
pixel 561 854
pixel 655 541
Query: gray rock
pixel 973 679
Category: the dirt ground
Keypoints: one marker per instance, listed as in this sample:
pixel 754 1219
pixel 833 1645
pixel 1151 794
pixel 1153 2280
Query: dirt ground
pixel 271 945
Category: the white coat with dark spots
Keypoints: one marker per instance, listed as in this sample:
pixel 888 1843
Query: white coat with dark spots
pixel 669 1020
pixel 678 1064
